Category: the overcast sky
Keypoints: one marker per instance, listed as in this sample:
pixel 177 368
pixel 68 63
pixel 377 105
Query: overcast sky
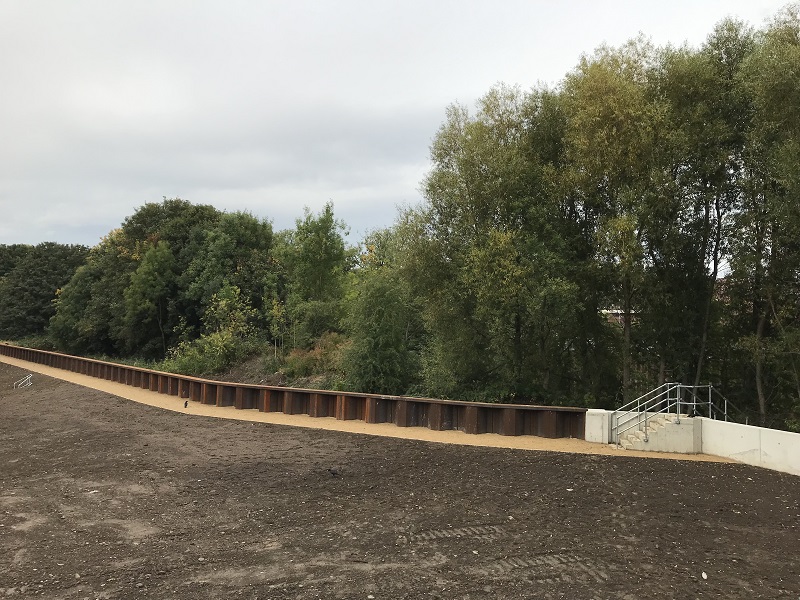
pixel 270 106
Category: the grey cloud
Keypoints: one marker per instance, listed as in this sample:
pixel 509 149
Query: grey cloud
pixel 266 105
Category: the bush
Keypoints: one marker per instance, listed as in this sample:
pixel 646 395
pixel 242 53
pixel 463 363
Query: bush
pixel 212 353
pixel 323 361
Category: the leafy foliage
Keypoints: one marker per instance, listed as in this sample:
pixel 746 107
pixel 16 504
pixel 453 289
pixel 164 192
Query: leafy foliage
pixel 228 337
pixel 316 261
pixel 638 223
pixel 383 322
pixel 30 279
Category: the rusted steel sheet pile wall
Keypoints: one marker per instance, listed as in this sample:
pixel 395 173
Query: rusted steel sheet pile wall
pixel 470 417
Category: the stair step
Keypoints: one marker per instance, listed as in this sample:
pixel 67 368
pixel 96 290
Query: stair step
pixel 648 437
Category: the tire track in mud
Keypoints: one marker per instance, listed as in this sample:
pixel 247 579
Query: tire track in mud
pixel 547 568
pixel 481 532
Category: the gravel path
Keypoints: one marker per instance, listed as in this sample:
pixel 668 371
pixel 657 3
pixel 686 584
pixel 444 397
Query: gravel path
pixel 490 440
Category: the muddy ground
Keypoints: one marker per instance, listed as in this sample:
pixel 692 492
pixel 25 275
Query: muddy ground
pixel 101 497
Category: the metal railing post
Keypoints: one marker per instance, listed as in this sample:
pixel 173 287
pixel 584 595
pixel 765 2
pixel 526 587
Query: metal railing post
pixel 711 398
pixel 639 412
pixel 677 389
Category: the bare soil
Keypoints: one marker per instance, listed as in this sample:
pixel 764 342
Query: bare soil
pixel 101 497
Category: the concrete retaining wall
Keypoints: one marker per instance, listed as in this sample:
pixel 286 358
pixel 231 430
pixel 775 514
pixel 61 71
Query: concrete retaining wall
pixel 598 426
pixel 684 436
pixel 758 446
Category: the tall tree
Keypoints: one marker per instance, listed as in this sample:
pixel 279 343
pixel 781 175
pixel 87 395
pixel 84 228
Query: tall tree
pixel 718 124
pixel 487 257
pixel 236 251
pixel 29 287
pixel 383 321
pixel 613 153
pixel 317 260
pixel 766 252
pixel 90 309
pixel 10 255
pixel 147 301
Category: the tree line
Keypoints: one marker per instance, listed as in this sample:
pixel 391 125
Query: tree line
pixel 577 244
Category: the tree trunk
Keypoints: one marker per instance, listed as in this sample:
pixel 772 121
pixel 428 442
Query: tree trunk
pixel 762 399
pixel 792 362
pixel 710 298
pixel 160 320
pixel 626 345
pixel 518 352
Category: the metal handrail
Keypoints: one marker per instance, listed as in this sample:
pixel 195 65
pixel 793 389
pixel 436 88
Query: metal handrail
pixel 643 417
pixel 658 400
pixel 24 382
pixel 638 400
pixel 637 413
pixel 714 398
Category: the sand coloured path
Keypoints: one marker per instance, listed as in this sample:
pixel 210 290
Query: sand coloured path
pixel 173 403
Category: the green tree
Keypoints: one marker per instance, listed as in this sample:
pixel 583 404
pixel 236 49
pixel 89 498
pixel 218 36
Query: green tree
pixel 383 322
pixel 92 312
pixel 237 251
pixel 487 256
pixel 90 309
pixel 30 285
pixel 227 338
pixel 147 301
pixel 612 141
pixel 10 255
pixel 710 111
pixel 317 261
pixel 765 252
pixel 184 226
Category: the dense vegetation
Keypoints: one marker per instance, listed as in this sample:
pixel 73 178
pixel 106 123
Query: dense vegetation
pixel 577 245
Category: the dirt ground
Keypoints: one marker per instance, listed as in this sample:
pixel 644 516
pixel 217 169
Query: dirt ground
pixel 101 497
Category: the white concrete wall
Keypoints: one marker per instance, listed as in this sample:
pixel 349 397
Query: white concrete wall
pixel 684 437
pixel 598 426
pixel 599 423
pixel 758 446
